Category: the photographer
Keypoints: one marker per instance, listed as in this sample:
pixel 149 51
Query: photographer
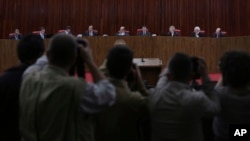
pixel 131 78
pixel 176 109
pixel 123 120
pixel 55 106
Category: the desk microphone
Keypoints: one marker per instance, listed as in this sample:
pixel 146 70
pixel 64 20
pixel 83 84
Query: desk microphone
pixel 142 60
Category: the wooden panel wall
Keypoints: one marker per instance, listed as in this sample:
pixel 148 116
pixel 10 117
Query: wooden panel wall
pixel 149 47
pixel 108 15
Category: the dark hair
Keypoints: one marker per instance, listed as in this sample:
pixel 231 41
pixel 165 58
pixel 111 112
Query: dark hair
pixel 62 49
pixel 30 48
pixel 119 61
pixel 180 67
pixel 235 68
pixel 68 27
pixel 42 28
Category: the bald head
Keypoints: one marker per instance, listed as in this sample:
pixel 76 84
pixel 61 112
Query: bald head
pixel 218 30
pixel 171 28
pixel 62 50
pixel 197 29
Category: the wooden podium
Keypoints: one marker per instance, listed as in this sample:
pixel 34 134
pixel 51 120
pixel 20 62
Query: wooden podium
pixel 150 69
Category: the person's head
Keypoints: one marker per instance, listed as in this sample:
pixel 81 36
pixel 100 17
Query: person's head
pixel 68 29
pixel 171 28
pixel 122 29
pixel 218 30
pixel 119 61
pixel 42 30
pixel 144 29
pixel 16 31
pixel 62 51
pixel 90 28
pixel 235 68
pixel 197 29
pixel 30 48
pixel 180 68
pixel 120 42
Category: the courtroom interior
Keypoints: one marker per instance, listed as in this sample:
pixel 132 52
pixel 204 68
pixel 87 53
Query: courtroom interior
pixel 119 70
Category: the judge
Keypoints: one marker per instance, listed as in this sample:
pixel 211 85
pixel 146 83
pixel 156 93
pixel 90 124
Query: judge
pixel 90 32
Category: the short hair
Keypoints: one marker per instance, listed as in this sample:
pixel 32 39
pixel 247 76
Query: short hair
pixel 68 27
pixel 180 66
pixel 218 29
pixel 42 28
pixel 235 68
pixel 197 28
pixel 172 26
pixel 122 27
pixel 62 49
pixel 30 48
pixel 120 42
pixel 119 61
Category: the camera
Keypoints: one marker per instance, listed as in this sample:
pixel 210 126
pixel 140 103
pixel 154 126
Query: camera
pixel 79 67
pixel 195 62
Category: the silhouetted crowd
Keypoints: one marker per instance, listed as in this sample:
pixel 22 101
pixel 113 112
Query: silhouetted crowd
pixel 46 96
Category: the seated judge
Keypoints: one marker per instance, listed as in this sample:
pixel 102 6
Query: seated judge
pixel 90 32
pixel 67 30
pixel 218 33
pixel 144 32
pixel 197 32
pixel 122 32
pixel 16 35
pixel 172 32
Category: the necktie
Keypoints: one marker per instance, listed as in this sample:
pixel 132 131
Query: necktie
pixel 42 36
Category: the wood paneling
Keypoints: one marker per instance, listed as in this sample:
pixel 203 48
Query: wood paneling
pixel 108 15
pixel 149 47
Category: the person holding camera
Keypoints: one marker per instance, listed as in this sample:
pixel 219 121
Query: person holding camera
pixel 55 106
pixel 176 109
pixel 123 120
pixel 234 94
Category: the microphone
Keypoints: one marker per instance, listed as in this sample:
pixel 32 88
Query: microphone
pixel 142 60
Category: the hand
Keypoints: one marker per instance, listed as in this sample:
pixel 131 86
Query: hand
pixel 139 82
pixel 202 70
pixel 86 53
pixel 219 83
pixel 202 67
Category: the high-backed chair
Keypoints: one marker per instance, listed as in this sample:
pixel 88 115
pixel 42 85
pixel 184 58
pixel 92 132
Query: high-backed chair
pixel 61 30
pixel 11 34
pixel 224 33
pixel 202 32
pixel 139 30
pixel 178 31
pixel 36 32
pixel 127 31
